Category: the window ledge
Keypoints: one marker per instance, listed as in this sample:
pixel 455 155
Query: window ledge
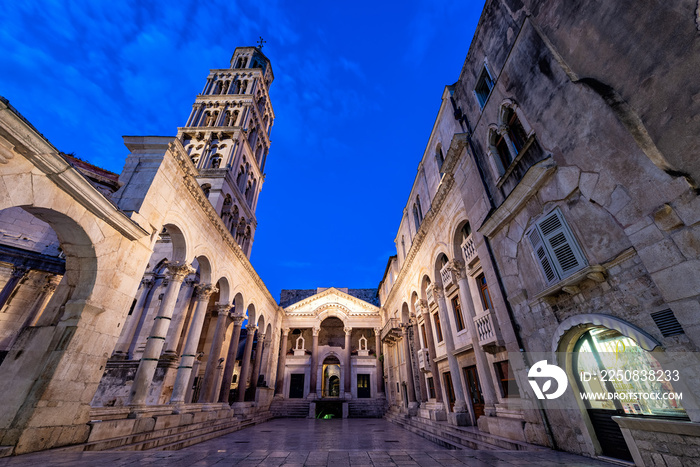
pixel 534 178
pixel 570 285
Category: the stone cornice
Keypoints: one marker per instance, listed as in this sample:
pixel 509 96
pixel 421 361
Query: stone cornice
pixel 444 189
pixel 46 158
pixel 180 155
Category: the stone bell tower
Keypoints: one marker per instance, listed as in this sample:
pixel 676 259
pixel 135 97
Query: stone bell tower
pixel 228 137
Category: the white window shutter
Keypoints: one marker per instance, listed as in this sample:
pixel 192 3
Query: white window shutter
pixel 542 256
pixel 561 244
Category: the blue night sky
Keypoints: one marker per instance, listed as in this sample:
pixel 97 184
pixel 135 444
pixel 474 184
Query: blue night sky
pixel 355 95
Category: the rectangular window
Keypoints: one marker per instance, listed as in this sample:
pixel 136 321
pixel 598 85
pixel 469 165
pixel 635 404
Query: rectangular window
pixel 555 247
pixel 509 388
pixel 459 320
pixel 484 85
pixel 425 337
pixel 438 329
pixel 449 389
pixel 431 387
pixel 484 292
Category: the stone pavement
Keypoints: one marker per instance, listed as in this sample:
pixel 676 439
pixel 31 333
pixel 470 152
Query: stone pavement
pixel 301 442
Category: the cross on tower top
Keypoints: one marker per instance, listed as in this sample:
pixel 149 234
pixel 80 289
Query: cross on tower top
pixel 261 42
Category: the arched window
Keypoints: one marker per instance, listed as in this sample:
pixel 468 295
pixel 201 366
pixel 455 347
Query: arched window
pixel 420 209
pixel 403 246
pixel 206 188
pixel 195 159
pixel 516 132
pixel 415 217
pixel 215 161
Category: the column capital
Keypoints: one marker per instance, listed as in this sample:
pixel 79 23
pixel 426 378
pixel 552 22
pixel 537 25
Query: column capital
pixel 148 282
pixel 377 331
pixel 285 331
pixel 251 327
pixel 51 283
pixel 439 292
pixel 348 330
pixel 223 310
pixel 18 272
pixel 178 270
pixel 315 331
pixel 422 306
pixel 237 319
pixel 205 291
pixel 457 268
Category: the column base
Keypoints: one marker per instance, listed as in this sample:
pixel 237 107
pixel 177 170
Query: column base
pixel 458 418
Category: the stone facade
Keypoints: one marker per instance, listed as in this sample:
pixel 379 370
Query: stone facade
pixel 583 215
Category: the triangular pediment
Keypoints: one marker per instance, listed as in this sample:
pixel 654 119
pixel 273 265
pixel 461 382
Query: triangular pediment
pixel 331 298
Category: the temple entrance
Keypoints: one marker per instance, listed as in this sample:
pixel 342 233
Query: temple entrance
pixel 331 377
pixel 296 386
pixel 363 389
pixel 601 352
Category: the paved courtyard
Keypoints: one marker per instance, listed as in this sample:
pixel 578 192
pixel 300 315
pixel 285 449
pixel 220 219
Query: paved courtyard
pixel 301 442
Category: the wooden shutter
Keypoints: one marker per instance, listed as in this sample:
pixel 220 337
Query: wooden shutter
pixel 561 245
pixel 542 256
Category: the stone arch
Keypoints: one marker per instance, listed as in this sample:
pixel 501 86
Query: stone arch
pixel 224 291
pixel 425 282
pixel 441 258
pixel 569 330
pixel 412 303
pixel 250 309
pixel 179 241
pixel 260 323
pixel 238 302
pixel 405 313
pixel 332 310
pixel 204 268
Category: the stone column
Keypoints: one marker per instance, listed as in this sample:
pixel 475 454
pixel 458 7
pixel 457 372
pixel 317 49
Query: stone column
pixel 179 315
pixel 259 349
pixel 482 364
pixel 147 367
pixel 348 362
pixel 132 321
pixel 42 300
pixel 423 306
pixel 245 364
pixel 231 359
pixel 187 362
pixel 281 363
pixel 207 392
pixel 459 416
pixel 18 273
pixel 313 377
pixel 416 348
pixel 411 389
pixel 380 365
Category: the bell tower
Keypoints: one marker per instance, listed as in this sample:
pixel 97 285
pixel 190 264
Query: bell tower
pixel 227 137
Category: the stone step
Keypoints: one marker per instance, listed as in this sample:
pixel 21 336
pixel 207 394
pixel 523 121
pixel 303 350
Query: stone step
pixel 469 437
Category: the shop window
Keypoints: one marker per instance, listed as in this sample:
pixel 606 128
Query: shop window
pixel 506 379
pixel 431 387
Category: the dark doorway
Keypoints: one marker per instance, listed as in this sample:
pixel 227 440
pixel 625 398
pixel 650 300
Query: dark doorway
pixel 296 386
pixel 363 391
pixel 474 388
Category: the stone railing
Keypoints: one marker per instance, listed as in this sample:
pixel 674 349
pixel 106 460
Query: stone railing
pixel 430 296
pixel 391 330
pixel 424 360
pixel 469 249
pixel 485 329
pixel 448 277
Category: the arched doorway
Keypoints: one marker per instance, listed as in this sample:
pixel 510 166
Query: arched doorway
pixel 331 377
pixel 613 373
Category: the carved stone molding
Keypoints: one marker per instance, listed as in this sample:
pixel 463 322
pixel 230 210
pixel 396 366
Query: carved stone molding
pixel 205 291
pixel 178 270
